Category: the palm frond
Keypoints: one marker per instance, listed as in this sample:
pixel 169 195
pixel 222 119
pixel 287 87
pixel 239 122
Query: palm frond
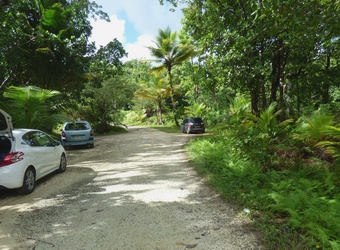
pixel 315 128
pixel 28 105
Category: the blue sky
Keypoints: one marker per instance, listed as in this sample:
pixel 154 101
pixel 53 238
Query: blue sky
pixel 135 23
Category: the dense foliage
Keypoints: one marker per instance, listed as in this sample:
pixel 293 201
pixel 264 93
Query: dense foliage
pixel 45 44
pixel 285 52
pixel 277 173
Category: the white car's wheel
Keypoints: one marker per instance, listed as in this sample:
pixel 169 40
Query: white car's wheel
pixel 29 182
pixel 63 164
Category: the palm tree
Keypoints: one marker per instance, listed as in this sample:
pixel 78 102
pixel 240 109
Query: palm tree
pixel 170 52
pixel 29 107
pixel 156 90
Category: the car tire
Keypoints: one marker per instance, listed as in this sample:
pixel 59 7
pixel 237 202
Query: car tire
pixel 29 181
pixel 92 145
pixel 63 164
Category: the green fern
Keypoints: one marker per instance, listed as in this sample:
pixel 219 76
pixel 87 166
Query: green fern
pixel 267 121
pixel 308 211
pixel 315 128
pixel 331 147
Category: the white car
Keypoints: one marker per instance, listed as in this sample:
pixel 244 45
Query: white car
pixel 26 155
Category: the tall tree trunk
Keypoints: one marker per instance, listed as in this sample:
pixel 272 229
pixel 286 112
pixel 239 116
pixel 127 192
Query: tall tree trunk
pixel 276 79
pixel 172 99
pixel 194 76
pixel 278 76
pixel 325 91
pixel 254 97
pixel 263 80
pixel 159 112
pixel 263 96
pixel 281 100
pixel 298 97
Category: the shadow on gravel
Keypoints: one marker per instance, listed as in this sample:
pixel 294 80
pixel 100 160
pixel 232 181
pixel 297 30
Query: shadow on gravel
pixel 140 193
pixel 50 185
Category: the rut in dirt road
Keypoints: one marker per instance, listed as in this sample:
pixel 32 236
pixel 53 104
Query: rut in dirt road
pixel 132 191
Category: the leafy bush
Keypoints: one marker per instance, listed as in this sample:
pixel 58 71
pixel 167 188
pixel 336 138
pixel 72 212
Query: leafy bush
pixel 293 195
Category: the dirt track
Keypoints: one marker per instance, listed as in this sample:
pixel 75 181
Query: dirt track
pixel 133 191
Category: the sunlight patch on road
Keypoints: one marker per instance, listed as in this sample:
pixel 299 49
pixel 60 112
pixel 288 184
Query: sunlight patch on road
pixel 159 191
pixel 119 175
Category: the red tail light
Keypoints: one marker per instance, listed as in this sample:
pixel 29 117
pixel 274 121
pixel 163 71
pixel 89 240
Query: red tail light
pixel 63 135
pixel 12 158
pixel 91 132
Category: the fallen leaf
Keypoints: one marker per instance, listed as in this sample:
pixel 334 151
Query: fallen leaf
pixel 180 244
pixel 100 210
pixel 82 209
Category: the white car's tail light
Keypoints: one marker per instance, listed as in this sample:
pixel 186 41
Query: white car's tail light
pixel 12 158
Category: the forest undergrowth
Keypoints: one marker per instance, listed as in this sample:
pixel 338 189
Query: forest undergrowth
pixel 280 176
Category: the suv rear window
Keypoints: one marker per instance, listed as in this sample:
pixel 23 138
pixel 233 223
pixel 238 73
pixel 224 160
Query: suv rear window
pixel 77 126
pixel 197 120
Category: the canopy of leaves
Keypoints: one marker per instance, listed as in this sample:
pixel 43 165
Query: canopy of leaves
pixel 106 62
pixel 271 49
pixel 101 105
pixel 44 43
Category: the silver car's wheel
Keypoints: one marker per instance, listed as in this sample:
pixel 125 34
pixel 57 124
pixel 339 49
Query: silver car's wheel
pixel 63 163
pixel 29 182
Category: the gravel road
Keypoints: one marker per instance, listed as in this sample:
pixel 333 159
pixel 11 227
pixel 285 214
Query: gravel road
pixel 133 191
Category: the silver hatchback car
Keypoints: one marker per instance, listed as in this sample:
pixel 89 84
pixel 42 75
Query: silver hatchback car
pixel 77 133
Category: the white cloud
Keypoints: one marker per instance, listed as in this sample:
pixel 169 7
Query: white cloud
pixel 104 32
pixel 138 49
pixel 146 16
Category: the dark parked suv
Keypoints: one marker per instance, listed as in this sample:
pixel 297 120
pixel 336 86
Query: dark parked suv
pixel 192 124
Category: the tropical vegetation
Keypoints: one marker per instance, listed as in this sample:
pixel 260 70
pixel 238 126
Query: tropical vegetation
pixel 263 75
